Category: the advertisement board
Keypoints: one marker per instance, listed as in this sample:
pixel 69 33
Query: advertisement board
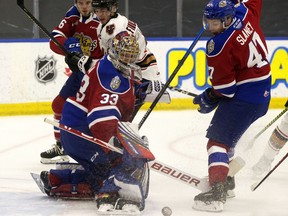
pixel 33 75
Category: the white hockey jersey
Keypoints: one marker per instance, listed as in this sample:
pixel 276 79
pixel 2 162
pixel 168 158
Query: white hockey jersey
pixel 147 60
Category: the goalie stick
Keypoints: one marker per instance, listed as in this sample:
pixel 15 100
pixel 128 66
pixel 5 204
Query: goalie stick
pixel 155 165
pixel 20 3
pixel 170 78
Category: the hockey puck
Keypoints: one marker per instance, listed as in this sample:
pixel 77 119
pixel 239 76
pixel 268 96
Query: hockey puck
pixel 166 211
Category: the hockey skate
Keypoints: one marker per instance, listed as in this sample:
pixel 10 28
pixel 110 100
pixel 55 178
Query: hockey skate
pixel 213 200
pixel 112 204
pixel 263 165
pixel 54 155
pixel 230 186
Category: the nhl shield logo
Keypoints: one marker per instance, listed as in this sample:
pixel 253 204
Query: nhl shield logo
pixel 45 69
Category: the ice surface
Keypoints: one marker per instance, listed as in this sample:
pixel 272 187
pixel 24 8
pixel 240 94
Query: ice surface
pixel 176 138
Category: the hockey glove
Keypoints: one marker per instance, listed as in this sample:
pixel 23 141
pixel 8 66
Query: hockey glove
pixel 207 101
pixel 72 45
pixel 141 91
pixel 78 62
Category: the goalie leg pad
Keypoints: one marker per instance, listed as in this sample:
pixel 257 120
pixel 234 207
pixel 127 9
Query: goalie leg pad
pixel 68 183
pixel 73 191
pixel 133 184
pixel 68 165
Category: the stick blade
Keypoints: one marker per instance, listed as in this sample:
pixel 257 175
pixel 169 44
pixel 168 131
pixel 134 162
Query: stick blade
pixel 236 165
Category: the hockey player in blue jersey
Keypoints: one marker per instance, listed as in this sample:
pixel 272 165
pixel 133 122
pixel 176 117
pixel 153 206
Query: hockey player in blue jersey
pixel 239 71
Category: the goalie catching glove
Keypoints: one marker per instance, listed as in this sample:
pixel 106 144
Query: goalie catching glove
pixel 78 62
pixel 207 101
pixel 148 90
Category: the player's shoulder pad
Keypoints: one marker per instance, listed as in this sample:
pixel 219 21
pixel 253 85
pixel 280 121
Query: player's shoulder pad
pixel 110 78
pixel 73 11
pixel 119 21
pixel 217 43
pixel 95 18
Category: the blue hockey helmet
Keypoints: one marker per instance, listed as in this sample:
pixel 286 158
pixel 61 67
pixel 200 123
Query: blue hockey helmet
pixel 219 9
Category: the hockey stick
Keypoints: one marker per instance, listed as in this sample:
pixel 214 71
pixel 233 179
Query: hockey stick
pixel 20 3
pixel 251 143
pixel 84 136
pixel 257 184
pixel 182 91
pixel 159 167
pixel 170 79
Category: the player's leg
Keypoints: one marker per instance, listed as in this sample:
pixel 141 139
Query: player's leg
pixel 230 121
pixel 81 180
pixel 127 187
pixel 277 140
pixel 70 88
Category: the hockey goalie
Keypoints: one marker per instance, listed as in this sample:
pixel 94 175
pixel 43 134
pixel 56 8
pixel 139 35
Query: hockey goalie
pixel 118 182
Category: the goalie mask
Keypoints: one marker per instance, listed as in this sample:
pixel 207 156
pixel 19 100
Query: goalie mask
pixel 123 51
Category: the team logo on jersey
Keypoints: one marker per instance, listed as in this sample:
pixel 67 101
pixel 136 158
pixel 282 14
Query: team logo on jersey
pixel 87 44
pixel 45 69
pixel 110 29
pixel 222 4
pixel 115 83
pixel 210 46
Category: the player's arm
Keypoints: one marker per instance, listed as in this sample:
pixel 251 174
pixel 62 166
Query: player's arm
pixel 59 33
pixel 64 30
pixel 147 60
pixel 55 48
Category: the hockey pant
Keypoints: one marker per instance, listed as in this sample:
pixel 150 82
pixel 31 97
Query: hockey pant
pixel 69 89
